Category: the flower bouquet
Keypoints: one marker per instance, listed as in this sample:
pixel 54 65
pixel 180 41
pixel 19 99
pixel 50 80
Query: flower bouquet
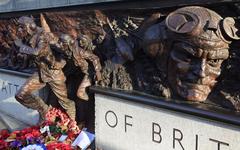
pixel 45 136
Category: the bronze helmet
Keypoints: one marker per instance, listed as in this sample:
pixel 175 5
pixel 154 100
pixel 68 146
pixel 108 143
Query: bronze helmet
pixel 28 21
pixel 201 26
pixel 199 40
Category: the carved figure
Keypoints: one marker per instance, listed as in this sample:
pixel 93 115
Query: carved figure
pixel 193 42
pixel 49 70
pixel 11 58
pixel 79 54
pixel 190 45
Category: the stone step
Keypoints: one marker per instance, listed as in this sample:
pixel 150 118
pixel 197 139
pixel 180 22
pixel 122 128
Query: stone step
pixel 11 123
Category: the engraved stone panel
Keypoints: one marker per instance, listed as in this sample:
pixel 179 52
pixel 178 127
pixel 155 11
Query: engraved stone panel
pixel 122 125
pixel 9 84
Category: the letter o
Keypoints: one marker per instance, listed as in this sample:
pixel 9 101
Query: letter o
pixel 116 119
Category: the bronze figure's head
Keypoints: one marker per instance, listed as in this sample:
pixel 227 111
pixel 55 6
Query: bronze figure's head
pixel 27 25
pixel 200 41
pixel 65 44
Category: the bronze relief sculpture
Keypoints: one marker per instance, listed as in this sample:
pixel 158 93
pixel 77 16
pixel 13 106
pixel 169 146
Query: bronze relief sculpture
pixel 10 56
pixel 49 70
pixel 195 41
pixel 185 51
pixel 79 54
pixel 178 54
pixel 206 47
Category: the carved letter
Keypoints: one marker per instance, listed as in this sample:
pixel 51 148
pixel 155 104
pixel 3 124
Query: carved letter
pixel 113 125
pixel 4 87
pixel 156 133
pixel 10 88
pixel 196 142
pixel 126 123
pixel 177 139
pixel 219 143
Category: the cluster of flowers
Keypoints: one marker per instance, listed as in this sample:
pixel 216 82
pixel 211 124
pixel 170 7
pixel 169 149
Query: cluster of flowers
pixel 44 136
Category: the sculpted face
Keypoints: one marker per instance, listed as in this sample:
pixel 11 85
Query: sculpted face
pixel 192 71
pixel 190 45
pixel 64 42
pixel 23 31
pixel 26 25
pixel 199 43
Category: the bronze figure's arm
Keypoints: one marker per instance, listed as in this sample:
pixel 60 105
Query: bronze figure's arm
pixel 95 61
pixel 58 64
pixel 41 46
pixel 24 48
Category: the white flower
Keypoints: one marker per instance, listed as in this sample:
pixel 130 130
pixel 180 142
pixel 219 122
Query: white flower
pixel 33 147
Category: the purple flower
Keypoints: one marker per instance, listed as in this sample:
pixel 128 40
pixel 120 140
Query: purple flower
pixel 15 144
pixel 30 140
pixel 39 140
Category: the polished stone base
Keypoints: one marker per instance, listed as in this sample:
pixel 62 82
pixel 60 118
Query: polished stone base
pixel 126 120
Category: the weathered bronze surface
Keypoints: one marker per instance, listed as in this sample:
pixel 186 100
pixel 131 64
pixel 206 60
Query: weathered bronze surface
pixel 49 69
pixel 189 53
pixel 79 53
pixel 9 56
pixel 193 38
